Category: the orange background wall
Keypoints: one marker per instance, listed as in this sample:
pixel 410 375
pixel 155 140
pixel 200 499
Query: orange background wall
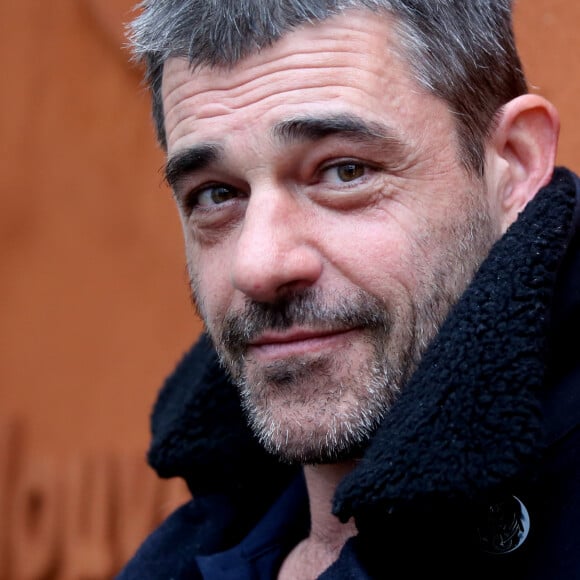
pixel 94 304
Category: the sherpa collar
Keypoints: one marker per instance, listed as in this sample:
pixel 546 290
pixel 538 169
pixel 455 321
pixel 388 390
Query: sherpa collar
pixel 468 420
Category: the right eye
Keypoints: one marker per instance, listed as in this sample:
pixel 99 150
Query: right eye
pixel 213 195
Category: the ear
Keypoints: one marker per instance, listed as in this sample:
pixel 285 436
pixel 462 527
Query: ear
pixel 521 154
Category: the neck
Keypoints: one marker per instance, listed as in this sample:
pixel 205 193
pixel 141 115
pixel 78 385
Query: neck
pixel 321 483
pixel 327 533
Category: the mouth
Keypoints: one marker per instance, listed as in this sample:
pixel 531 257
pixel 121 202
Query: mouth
pixel 271 346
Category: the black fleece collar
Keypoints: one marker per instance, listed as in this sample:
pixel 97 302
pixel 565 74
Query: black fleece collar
pixel 469 420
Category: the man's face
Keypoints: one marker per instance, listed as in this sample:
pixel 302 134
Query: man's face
pixel 328 222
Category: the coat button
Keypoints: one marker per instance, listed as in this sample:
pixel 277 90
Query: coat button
pixel 504 526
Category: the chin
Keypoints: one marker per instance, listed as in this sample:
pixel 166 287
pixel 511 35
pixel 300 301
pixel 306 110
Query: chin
pixel 313 431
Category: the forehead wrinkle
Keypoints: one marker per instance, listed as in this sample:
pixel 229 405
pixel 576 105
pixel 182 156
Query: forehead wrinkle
pixel 204 90
pixel 212 105
pixel 207 102
pixel 259 67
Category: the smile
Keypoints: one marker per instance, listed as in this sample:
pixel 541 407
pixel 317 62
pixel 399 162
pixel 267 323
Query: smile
pixel 272 346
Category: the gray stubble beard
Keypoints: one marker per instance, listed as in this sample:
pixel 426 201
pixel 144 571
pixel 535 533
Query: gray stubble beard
pixel 372 389
pixel 323 408
pixel 321 428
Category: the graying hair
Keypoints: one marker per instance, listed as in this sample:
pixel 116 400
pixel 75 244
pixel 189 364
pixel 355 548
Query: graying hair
pixel 462 51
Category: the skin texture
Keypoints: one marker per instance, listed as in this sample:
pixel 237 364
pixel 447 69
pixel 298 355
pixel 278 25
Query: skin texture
pixel 328 226
pixel 329 223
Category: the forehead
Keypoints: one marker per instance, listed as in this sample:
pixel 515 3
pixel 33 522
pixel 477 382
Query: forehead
pixel 349 61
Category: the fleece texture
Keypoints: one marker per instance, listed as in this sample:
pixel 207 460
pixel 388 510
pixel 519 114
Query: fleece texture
pixel 200 433
pixel 469 420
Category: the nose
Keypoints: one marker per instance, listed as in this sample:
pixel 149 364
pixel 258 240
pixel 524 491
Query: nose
pixel 275 251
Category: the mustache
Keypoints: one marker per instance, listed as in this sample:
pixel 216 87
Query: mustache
pixel 305 308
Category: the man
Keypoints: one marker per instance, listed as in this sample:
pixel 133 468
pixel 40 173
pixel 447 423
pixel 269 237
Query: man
pixel 385 259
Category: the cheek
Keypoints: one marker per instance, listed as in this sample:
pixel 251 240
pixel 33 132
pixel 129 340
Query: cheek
pixel 209 276
pixel 376 256
pixel 203 279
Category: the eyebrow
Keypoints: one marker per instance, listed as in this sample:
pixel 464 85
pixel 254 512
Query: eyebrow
pixel 187 161
pixel 304 128
pixel 315 128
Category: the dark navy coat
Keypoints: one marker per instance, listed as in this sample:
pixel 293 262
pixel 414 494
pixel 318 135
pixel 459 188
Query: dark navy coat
pixel 475 473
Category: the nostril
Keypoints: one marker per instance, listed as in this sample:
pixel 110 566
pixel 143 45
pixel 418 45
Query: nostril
pixel 265 276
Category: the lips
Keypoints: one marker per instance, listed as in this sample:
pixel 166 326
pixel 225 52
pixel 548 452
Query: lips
pixel 274 345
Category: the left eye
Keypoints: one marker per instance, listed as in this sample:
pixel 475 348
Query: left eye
pixel 346 172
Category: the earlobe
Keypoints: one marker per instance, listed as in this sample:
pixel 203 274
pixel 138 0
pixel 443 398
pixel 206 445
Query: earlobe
pixel 524 145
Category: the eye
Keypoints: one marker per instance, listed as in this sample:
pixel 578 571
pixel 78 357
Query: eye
pixel 213 195
pixel 350 171
pixel 344 172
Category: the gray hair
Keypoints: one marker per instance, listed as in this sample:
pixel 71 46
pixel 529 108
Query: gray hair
pixel 462 51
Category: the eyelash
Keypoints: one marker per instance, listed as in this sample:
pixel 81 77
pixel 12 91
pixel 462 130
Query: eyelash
pixel 344 163
pixel 192 198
